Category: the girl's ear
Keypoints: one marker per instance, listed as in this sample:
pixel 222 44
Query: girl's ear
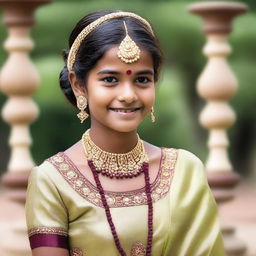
pixel 77 86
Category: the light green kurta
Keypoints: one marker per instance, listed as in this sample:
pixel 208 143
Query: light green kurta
pixel 62 201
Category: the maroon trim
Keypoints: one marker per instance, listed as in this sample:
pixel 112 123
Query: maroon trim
pixel 49 240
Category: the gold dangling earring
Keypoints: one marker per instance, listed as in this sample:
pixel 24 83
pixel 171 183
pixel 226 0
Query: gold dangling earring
pixel 152 115
pixel 81 102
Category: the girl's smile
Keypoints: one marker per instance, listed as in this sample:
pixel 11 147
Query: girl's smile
pixel 125 112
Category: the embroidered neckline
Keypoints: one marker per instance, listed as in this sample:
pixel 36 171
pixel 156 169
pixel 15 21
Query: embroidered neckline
pixel 67 158
pixel 87 190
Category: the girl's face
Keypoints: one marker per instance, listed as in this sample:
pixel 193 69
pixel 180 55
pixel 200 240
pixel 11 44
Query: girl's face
pixel 120 95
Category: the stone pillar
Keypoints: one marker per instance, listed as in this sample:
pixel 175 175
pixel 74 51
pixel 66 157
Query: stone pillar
pixel 217 85
pixel 18 80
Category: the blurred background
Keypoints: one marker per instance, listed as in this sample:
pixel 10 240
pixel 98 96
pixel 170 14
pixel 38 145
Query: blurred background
pixel 177 104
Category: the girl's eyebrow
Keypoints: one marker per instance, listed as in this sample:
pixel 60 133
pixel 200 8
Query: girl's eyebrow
pixel 145 72
pixel 107 71
pixel 113 72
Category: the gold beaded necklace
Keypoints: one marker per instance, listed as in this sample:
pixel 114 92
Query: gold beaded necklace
pixel 115 165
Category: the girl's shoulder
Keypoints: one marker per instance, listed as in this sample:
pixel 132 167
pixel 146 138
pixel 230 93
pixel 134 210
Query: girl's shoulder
pixel 175 154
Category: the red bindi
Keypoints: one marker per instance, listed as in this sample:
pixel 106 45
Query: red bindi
pixel 128 72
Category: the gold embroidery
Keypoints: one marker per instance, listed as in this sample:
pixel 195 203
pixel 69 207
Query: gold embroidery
pixel 81 185
pixel 64 166
pixel 76 252
pixel 46 230
pixel 138 249
pixel 58 159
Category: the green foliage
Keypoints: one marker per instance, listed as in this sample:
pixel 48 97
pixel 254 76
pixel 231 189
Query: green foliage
pixel 49 92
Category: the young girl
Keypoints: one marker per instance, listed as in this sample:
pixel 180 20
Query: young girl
pixel 112 193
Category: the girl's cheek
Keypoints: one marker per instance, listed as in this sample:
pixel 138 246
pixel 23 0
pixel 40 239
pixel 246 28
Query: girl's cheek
pixel 100 95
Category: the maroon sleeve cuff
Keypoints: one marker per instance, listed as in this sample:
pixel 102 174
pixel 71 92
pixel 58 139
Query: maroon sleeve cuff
pixel 49 240
pixel 49 237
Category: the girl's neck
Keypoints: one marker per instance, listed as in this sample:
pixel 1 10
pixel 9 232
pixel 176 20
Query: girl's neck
pixel 113 141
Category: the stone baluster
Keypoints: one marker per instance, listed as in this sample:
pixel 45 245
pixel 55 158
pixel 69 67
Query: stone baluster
pixel 217 85
pixel 18 80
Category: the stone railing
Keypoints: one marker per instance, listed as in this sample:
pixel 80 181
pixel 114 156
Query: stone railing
pixel 217 85
pixel 18 80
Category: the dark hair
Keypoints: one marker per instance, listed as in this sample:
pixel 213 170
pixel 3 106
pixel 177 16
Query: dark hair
pixel 102 39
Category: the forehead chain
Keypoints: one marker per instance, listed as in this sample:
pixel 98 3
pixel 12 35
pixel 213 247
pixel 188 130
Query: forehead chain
pixel 126 31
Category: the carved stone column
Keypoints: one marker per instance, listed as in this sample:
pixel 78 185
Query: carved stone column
pixel 217 85
pixel 18 80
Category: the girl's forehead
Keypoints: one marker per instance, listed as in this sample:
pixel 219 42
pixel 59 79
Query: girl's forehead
pixel 111 60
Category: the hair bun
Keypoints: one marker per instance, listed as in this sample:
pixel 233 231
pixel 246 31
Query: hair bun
pixel 66 86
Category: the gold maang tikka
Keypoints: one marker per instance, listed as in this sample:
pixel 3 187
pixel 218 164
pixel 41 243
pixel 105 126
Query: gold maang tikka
pixel 128 52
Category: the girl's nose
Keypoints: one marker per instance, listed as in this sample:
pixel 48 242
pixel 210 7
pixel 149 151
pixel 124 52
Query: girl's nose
pixel 127 94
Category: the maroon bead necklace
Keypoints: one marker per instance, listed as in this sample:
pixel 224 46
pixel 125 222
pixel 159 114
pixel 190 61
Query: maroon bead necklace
pixel 145 170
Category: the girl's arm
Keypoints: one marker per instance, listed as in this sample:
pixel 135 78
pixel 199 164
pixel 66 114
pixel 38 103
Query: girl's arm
pixel 50 251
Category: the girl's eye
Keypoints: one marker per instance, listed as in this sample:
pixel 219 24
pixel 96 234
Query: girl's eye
pixel 142 80
pixel 109 79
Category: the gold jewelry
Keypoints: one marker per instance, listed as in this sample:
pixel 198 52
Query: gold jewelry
pixel 152 115
pixel 76 44
pixel 81 102
pixel 115 165
pixel 128 52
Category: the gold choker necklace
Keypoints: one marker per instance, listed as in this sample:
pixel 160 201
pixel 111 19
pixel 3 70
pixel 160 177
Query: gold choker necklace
pixel 115 165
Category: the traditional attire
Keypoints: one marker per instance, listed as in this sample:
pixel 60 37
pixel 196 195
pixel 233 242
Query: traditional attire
pixel 64 209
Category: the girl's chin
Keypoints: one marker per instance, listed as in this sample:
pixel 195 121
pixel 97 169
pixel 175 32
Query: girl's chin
pixel 124 128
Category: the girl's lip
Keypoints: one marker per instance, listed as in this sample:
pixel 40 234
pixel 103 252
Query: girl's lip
pixel 125 110
pixel 122 111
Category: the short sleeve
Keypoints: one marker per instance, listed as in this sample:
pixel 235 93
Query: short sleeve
pixel 46 214
pixel 194 216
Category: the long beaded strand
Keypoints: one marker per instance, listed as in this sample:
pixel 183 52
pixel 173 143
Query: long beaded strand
pixel 106 207
pixel 150 210
pixel 145 168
